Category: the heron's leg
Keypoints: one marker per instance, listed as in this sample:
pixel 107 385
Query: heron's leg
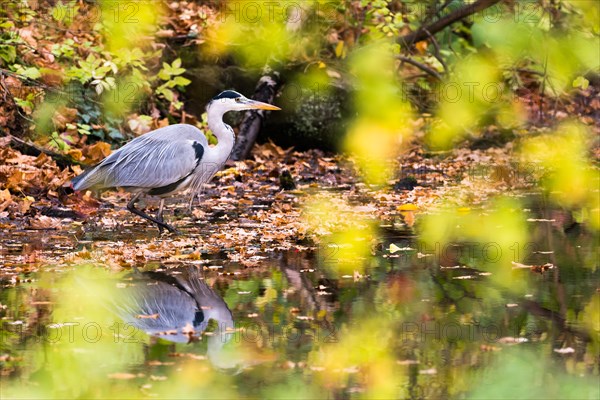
pixel 159 215
pixel 131 207
pixel 192 198
pixel 195 194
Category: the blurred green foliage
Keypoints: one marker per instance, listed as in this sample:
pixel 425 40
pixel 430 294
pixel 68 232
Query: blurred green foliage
pixel 569 176
pixel 526 375
pixel 122 67
pixel 499 230
pixel 382 122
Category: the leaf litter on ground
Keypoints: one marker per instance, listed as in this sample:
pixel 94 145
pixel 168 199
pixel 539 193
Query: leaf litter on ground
pixel 244 213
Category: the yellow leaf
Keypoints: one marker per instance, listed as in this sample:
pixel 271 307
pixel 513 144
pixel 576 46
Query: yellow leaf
pixel 5 195
pixel 98 151
pixel 340 51
pixel 421 46
pixel 15 180
pixel 394 248
pixel 409 218
pixel 26 204
pixel 407 207
pixel 75 154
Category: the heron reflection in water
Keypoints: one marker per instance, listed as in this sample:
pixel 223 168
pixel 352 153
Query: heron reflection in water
pixel 178 308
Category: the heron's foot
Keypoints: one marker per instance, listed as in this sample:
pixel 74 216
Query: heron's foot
pixel 158 220
pixel 162 226
pixel 175 232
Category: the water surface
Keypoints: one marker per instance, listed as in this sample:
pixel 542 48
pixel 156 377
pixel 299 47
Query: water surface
pixel 418 322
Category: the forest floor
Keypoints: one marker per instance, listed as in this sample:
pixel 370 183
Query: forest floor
pixel 248 211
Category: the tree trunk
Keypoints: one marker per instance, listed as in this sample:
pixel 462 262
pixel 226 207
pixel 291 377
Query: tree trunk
pixel 250 127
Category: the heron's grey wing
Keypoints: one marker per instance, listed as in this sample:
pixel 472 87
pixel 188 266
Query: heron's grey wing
pixel 156 159
pixel 153 163
pixel 158 309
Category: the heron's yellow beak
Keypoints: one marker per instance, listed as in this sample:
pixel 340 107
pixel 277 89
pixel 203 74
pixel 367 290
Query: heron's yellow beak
pixel 261 106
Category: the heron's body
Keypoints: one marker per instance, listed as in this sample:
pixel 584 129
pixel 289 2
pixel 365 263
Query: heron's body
pixel 170 160
pixel 163 162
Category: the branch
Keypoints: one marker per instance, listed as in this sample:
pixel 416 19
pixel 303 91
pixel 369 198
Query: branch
pixel 440 24
pixel 421 66
pixel 31 149
pixel 437 54
pixel 24 78
pixel 537 310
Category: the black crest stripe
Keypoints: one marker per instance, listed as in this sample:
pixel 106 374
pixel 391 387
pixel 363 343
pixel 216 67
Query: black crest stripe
pixel 227 94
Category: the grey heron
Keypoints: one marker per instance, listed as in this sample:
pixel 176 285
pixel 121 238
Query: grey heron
pixel 170 160
pixel 177 308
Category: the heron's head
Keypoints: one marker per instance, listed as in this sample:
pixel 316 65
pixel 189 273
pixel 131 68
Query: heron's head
pixel 230 100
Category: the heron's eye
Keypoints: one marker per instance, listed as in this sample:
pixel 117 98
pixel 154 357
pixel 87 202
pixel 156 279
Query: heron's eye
pixel 238 99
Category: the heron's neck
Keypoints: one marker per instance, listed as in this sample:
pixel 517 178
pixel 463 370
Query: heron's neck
pixel 222 131
pixel 223 334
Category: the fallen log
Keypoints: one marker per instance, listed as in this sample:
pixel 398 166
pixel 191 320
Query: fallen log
pixel 34 150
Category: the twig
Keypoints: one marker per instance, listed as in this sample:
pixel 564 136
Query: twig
pixel 437 54
pixel 361 22
pixel 30 80
pixel 536 309
pixel 440 24
pixel 437 12
pixel 421 66
pixel 12 98
pixel 35 150
pixel 543 89
pixel 442 8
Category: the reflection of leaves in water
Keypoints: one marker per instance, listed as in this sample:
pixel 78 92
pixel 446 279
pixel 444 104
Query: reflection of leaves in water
pixel 527 375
